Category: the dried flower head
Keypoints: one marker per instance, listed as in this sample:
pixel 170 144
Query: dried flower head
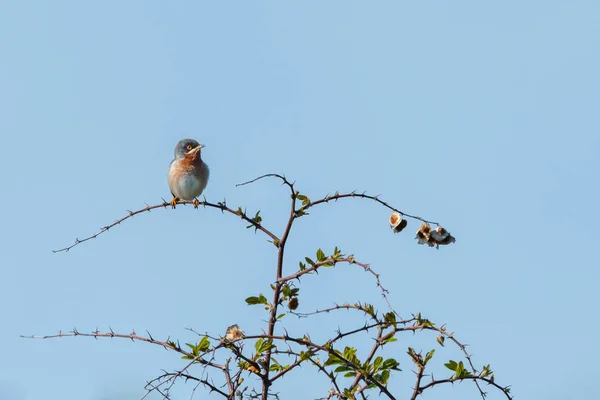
pixel 423 234
pixel 440 339
pixel 397 223
pixel 234 333
pixel 293 303
pixel 439 234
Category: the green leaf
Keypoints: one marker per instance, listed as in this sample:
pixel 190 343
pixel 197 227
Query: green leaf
pixel 385 375
pixel 305 355
pixel 349 374
pixel 309 261
pixel 265 346
pixel 301 265
pixel 256 300
pixel 286 290
pixel 320 255
pixel 301 197
pixel 343 368
pixel 377 363
pixel 451 365
pixel 350 353
pixel 281 316
pixel 333 360
pixel 390 340
pixel 390 363
pixel 460 368
pixel 390 318
pixel 428 357
pixel 204 344
pixel 258 344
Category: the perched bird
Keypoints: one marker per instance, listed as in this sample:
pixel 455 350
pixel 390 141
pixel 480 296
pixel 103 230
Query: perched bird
pixel 188 174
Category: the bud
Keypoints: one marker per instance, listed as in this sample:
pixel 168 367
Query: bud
pixel 397 223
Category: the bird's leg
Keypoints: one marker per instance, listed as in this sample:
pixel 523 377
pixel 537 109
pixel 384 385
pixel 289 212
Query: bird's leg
pixel 196 203
pixel 174 201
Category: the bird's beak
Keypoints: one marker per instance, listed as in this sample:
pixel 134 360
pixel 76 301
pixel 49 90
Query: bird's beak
pixel 196 149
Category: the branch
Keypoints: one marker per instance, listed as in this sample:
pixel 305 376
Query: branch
pixel 283 178
pixel 220 206
pixel 472 378
pixel 338 196
pixel 331 261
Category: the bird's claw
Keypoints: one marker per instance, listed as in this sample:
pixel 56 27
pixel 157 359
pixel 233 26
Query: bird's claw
pixel 196 203
pixel 174 201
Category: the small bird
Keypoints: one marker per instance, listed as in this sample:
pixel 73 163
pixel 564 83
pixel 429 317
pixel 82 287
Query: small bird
pixel 188 174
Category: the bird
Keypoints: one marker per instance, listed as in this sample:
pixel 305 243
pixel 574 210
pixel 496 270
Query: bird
pixel 188 174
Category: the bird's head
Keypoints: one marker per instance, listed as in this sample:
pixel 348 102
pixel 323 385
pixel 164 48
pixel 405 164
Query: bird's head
pixel 188 147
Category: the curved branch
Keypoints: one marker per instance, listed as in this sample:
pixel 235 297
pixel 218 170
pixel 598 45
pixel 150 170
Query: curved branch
pixel 471 378
pixel 283 178
pixel 220 206
pixel 338 196
pixel 331 261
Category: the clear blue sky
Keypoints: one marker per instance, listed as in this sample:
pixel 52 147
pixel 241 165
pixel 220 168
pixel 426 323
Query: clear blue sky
pixel 483 116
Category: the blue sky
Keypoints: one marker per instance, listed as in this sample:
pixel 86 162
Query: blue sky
pixel 481 116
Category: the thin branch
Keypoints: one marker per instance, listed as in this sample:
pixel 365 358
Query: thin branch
pixel 283 178
pixel 331 262
pixel 472 378
pixel 417 390
pixel 220 206
pixel 338 196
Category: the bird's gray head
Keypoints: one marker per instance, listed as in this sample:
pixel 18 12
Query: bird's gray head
pixel 187 146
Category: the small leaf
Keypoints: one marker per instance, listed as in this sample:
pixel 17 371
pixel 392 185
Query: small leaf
pixel 309 261
pixel 320 255
pixel 281 316
pixel 254 300
pixel 204 344
pixel 385 375
pixel 390 363
pixel 390 339
pixel 377 363
pixel 343 368
pixel 333 360
pixel 428 357
pixel 451 365
pixel 460 369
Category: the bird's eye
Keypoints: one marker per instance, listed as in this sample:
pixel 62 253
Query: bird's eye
pixel 189 147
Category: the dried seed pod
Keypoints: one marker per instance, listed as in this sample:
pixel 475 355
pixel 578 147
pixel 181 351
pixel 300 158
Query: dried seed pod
pixel 234 333
pixel 423 234
pixel 252 368
pixel 293 303
pixel 439 234
pixel 440 339
pixel 397 223
pixel 449 239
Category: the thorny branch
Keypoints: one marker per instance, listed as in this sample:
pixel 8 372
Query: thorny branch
pixel 263 362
